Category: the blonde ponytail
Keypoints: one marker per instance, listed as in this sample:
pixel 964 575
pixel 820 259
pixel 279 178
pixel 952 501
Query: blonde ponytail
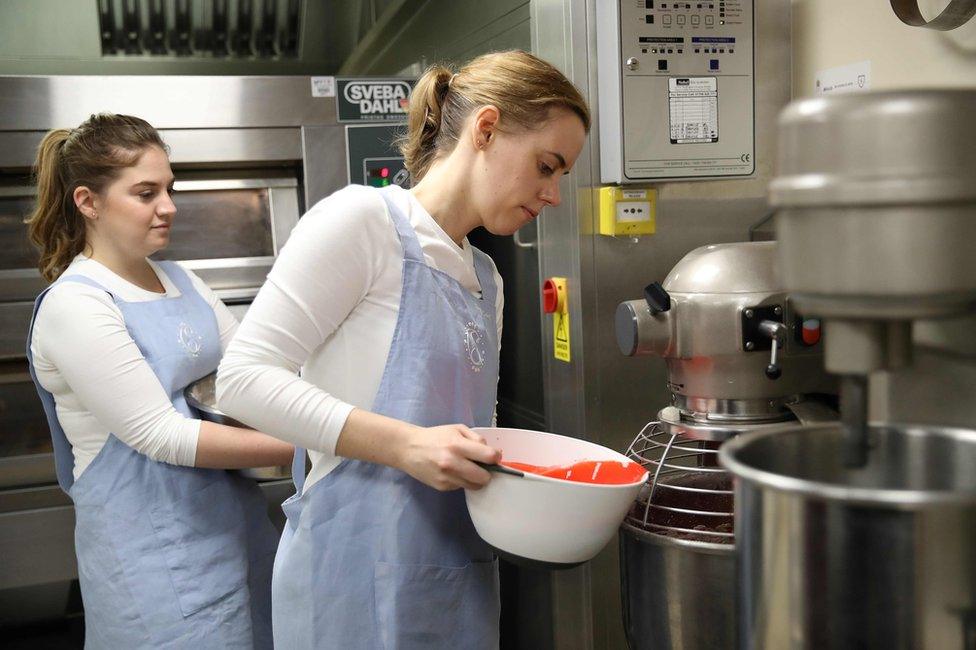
pixel 523 87
pixel 419 146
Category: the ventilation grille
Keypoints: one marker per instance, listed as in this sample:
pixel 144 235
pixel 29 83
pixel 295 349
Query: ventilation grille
pixel 263 29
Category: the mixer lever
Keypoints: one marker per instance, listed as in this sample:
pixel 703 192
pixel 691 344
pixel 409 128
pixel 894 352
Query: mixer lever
pixel 775 331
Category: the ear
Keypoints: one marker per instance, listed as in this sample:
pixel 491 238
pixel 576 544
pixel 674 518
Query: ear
pixel 483 125
pixel 86 202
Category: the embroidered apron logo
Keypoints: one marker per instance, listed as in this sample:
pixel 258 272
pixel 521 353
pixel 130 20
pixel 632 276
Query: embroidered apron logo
pixel 190 340
pixel 474 345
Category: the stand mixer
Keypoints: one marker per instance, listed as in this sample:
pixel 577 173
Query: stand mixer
pixel 740 359
pixel 863 534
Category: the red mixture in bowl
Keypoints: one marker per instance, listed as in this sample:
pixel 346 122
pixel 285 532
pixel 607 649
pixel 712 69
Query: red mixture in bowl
pixel 600 472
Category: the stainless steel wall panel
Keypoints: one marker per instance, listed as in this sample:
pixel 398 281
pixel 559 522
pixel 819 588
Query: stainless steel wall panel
pixel 220 146
pixel 323 150
pixel 284 214
pixel 212 147
pixel 561 35
pixel 167 102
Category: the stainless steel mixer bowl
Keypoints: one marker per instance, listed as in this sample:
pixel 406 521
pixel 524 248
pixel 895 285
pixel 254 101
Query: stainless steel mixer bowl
pixel 882 556
pixel 676 593
pixel 201 395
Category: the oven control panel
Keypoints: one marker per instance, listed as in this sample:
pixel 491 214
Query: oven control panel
pixel 676 83
pixel 372 157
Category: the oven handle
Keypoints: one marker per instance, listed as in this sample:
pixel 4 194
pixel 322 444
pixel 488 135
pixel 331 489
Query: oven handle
pixel 233 184
pixel 237 295
pixel 27 470
pixel 181 186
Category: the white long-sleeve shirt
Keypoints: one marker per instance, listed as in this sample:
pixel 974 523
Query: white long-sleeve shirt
pixel 314 343
pixel 85 357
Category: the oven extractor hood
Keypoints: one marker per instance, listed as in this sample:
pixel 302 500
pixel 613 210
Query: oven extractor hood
pixel 220 28
pixel 316 32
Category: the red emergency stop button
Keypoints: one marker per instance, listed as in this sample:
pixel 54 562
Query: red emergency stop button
pixel 554 296
pixel 550 297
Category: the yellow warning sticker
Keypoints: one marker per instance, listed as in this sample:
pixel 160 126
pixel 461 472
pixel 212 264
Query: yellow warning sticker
pixel 560 336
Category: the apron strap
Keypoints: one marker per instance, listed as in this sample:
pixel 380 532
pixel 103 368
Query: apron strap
pixel 64 458
pixel 486 277
pixel 412 251
pixel 408 238
pixel 178 276
pixel 298 469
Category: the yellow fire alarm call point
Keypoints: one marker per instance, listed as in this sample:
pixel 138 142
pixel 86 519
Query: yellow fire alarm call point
pixel 626 211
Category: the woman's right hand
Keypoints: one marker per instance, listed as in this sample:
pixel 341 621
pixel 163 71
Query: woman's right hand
pixel 444 457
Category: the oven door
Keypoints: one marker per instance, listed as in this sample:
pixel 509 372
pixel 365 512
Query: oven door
pixel 227 230
pixel 26 457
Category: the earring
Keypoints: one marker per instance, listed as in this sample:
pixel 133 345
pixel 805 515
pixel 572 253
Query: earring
pixel 94 214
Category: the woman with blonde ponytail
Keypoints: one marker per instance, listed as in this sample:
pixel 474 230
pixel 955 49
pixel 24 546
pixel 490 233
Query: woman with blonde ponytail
pixel 172 550
pixel 394 321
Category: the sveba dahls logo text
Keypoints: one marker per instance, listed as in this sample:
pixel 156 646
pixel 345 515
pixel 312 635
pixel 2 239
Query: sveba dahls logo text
pixel 378 97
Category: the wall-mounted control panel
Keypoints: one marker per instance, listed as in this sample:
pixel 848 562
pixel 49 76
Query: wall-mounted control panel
pixel 676 83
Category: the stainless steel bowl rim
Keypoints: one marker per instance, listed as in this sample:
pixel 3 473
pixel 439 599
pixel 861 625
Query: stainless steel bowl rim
pixel 207 411
pixel 712 548
pixel 714 431
pixel 202 407
pixel 895 499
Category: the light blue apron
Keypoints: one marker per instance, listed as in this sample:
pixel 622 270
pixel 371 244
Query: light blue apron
pixel 370 557
pixel 168 556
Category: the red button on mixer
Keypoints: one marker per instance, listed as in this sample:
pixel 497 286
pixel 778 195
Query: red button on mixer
pixel 810 333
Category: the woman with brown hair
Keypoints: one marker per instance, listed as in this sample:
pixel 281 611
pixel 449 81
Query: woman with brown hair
pixel 394 320
pixel 172 550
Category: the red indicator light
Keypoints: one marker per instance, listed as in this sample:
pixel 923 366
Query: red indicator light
pixel 385 172
pixel 811 331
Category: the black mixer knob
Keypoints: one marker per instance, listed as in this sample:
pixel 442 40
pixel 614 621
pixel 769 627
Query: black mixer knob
pixel 657 298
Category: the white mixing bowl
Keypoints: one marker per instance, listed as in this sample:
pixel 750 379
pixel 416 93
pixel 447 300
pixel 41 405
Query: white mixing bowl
pixel 547 520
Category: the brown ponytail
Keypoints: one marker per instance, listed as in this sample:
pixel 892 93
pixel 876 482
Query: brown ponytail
pixel 523 87
pixel 56 229
pixel 91 155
